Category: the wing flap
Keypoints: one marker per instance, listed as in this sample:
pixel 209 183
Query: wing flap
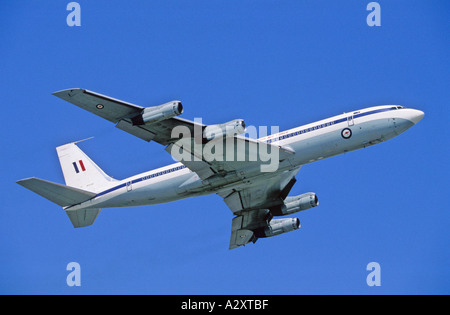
pixel 262 194
pixel 135 130
pixel 227 155
pixel 239 236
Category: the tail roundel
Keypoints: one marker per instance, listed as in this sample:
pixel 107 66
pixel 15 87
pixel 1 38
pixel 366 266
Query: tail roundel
pixel 80 171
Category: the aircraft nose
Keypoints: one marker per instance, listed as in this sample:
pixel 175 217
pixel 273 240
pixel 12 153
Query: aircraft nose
pixel 416 116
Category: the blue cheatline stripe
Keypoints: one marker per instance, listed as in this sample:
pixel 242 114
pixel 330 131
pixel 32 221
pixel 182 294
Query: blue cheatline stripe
pixel 140 179
pixel 329 123
pixel 76 167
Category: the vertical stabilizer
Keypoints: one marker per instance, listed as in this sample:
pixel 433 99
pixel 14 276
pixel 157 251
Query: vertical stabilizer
pixel 80 171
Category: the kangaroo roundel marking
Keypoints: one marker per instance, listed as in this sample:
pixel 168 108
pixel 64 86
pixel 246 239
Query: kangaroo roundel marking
pixel 99 106
pixel 346 133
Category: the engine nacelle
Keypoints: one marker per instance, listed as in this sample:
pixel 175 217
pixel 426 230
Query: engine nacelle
pixel 229 129
pixel 278 226
pixel 296 204
pixel 158 113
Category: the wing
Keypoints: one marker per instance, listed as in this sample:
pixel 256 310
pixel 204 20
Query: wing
pixel 121 113
pixel 185 143
pixel 251 205
pixel 243 227
pixel 225 155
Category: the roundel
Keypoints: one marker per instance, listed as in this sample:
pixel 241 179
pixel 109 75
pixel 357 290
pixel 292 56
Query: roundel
pixel 346 133
pixel 99 106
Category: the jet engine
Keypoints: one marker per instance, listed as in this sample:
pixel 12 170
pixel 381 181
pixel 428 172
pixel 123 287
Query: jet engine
pixel 229 129
pixel 158 113
pixel 296 204
pixel 278 226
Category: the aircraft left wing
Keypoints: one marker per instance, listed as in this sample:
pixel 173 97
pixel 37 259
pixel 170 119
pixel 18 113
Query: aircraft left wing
pixel 226 154
pixel 122 113
pixel 206 163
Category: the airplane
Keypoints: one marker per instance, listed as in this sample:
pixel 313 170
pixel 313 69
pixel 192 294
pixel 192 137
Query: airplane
pixel 255 196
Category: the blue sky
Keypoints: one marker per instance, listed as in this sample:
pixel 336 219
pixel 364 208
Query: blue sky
pixel 283 63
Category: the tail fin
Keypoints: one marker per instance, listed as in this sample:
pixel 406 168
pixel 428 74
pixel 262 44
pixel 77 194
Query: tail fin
pixel 84 179
pixel 80 171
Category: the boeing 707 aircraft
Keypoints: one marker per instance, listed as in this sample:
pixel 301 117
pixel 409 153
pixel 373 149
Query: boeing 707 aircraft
pixel 213 159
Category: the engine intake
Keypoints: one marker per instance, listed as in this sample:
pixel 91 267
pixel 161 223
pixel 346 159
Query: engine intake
pixel 158 113
pixel 295 204
pixel 229 129
pixel 277 227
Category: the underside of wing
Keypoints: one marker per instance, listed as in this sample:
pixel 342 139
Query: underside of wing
pixel 206 150
pixel 264 193
pixel 226 155
pixel 163 132
pixel 252 206
pixel 243 227
pixel 98 104
pixel 152 123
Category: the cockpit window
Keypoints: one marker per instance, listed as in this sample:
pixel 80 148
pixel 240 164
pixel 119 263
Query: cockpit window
pixel 397 107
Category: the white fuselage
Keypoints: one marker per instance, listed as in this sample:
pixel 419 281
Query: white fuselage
pixel 311 142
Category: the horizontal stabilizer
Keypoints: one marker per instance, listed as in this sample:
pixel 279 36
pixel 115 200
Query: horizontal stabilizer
pixel 60 194
pixel 83 217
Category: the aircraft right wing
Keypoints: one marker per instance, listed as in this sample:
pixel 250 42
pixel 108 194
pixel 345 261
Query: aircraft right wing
pixel 251 205
pixel 243 226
